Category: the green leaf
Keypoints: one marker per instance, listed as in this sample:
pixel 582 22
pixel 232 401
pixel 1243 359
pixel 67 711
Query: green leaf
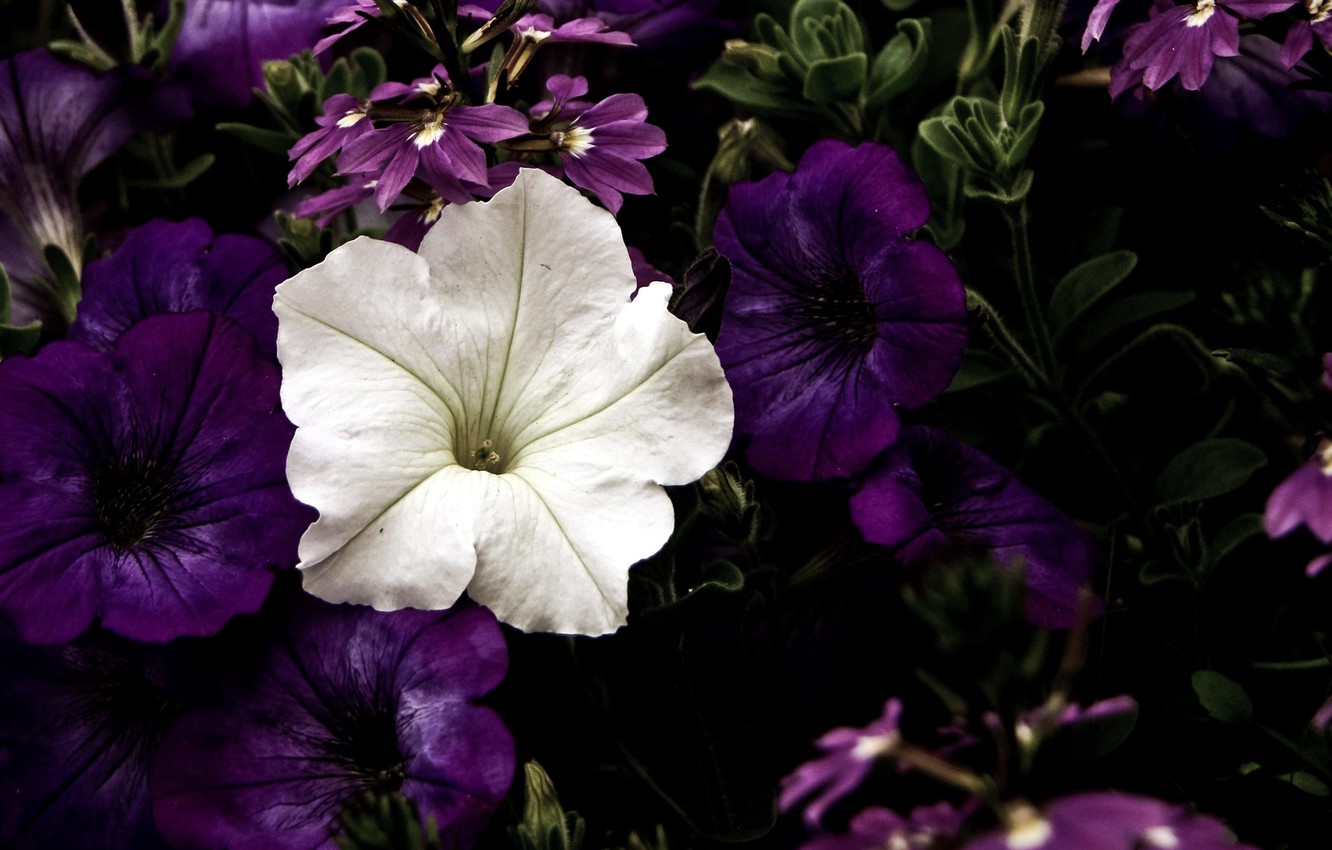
pixel 1159 570
pixel 1222 698
pixel 1120 314
pixel 900 63
pixel 980 368
pixel 898 5
pixel 271 141
pixel 1234 534
pixel 1090 738
pixel 1306 782
pixel 750 93
pixel 184 176
pixel 1208 469
pixel 835 80
pixel 1087 284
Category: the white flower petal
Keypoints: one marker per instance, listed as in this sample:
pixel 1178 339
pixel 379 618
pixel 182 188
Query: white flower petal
pixel 513 326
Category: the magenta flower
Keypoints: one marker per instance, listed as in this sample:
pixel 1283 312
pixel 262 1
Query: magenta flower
pixel 1183 40
pixel 346 700
pixel 877 828
pixel 850 754
pixel 1305 498
pixel 1106 820
pixel 836 316
pixel 143 486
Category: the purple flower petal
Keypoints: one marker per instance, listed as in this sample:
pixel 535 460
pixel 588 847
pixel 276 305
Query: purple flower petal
pixel 144 485
pixel 849 755
pixel 166 267
pixel 835 317
pixel 1304 498
pixel 347 700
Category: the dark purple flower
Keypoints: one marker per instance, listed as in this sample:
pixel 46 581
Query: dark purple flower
pixel 344 121
pixel 671 24
pixel 1305 498
pixel 354 15
pixel 1106 820
pixel 224 43
pixel 80 724
pixel 850 754
pixel 327 206
pixel 1096 21
pixel 1300 36
pixel 348 701
pixel 877 828
pixel 169 267
pixel 144 486
pixel 1185 40
pixel 57 121
pixel 931 494
pixel 835 315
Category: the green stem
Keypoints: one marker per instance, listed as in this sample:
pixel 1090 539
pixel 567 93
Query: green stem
pixel 1294 666
pixel 1004 339
pixel 1026 284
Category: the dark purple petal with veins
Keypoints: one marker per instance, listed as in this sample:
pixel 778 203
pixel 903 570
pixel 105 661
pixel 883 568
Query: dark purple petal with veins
pixel 144 485
pixel 348 701
pixel 224 43
pixel 169 267
pixel 930 494
pixel 835 315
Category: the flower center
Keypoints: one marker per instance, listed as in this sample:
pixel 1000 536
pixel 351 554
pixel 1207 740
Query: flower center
pixel 1026 828
pixel 1201 13
pixel 1319 10
pixel 131 495
pixel 485 457
pixel 836 307
pixel 1325 457
pixel 574 141
pixel 351 117
pixel 430 128
pixel 364 741
pixel 1161 836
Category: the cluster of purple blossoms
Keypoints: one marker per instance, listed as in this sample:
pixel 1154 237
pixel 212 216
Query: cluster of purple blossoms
pixel 1305 497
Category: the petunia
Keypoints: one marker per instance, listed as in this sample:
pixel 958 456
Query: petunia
pixel 343 702
pixel 143 486
pixel 57 121
pixel 170 267
pixel 514 414
pixel 849 754
pixel 81 723
pixel 223 44
pixel 930 494
pixel 835 316
pixel 1106 820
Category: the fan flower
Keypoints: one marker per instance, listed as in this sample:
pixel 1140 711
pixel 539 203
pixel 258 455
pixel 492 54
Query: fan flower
pixel 930 494
pixel 169 267
pixel 1300 36
pixel 1106 820
pixel 877 827
pixel 835 316
pixel 850 754
pixel 516 413
pixel 57 121
pixel 1305 498
pixel 344 702
pixel 143 486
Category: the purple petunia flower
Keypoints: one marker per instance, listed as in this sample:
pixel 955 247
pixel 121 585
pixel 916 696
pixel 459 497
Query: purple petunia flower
pixel 348 701
pixel 930 494
pixel 169 267
pixel 877 827
pixel 223 43
pixel 143 486
pixel 1106 820
pixel 57 121
pixel 80 725
pixel 850 754
pixel 1183 40
pixel 835 315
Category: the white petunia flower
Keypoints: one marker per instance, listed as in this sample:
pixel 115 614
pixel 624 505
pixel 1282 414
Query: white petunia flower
pixel 493 414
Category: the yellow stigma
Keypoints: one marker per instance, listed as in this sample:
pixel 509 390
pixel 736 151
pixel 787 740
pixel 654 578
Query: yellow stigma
pixel 1201 13
pixel 429 128
pixel 574 141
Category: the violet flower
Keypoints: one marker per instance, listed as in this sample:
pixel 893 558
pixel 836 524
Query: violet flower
pixel 1184 40
pixel 57 121
pixel 345 120
pixel 168 267
pixel 347 701
pixel 144 486
pixel 1305 498
pixel 850 754
pixel 930 494
pixel 80 725
pixel 835 316
pixel 223 43
pixel 1106 820
pixel 532 31
pixel 1300 36
pixel 354 15
pixel 877 828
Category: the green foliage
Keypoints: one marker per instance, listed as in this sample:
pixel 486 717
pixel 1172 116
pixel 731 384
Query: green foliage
pixel 545 825
pixel 899 64
pixel 1207 469
pixel 385 822
pixel 1084 286
pixel 1222 698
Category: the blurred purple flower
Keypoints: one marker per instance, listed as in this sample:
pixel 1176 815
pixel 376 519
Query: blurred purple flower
pixel 877 828
pixel 532 31
pixel 354 15
pixel 348 701
pixel 1305 498
pixel 80 725
pixel 57 121
pixel 930 494
pixel 224 43
pixel 1300 36
pixel 1322 718
pixel 849 755
pixel 1184 40
pixel 1106 820
pixel 835 316
pixel 144 486
pixel 170 267
pixel 327 206
pixel 671 24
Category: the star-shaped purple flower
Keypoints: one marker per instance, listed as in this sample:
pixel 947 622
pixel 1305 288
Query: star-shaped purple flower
pixel 836 315
pixel 347 700
pixel 1305 498
pixel 176 267
pixel 850 753
pixel 144 486
pixel 931 494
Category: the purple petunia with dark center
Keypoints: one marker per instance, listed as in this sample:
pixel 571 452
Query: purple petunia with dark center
pixel 347 701
pixel 931 494
pixel 143 486
pixel 836 316
pixel 170 267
